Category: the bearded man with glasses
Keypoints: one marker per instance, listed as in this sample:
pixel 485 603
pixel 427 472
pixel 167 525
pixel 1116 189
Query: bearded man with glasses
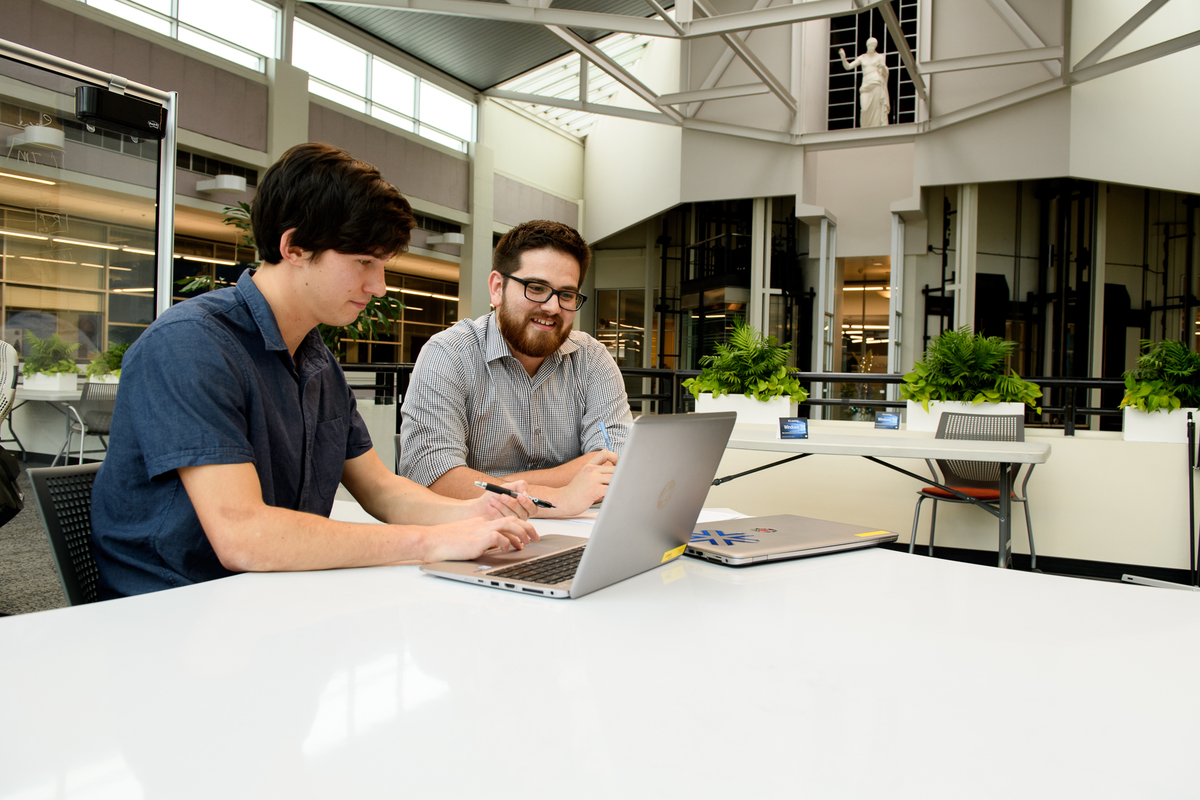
pixel 515 394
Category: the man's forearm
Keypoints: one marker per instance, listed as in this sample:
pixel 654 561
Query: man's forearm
pixel 459 482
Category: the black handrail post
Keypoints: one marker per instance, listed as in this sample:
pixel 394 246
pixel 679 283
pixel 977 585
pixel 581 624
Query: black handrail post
pixel 1069 422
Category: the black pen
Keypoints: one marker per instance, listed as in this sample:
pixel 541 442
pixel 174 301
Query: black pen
pixel 491 487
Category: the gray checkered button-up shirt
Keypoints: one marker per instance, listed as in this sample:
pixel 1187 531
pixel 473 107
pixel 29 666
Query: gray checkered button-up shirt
pixel 471 403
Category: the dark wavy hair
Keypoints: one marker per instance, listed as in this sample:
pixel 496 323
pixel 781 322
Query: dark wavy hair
pixel 534 235
pixel 334 202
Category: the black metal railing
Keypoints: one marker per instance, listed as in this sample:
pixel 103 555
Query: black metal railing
pixel 1065 401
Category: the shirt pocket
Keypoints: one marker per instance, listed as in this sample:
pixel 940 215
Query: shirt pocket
pixel 329 455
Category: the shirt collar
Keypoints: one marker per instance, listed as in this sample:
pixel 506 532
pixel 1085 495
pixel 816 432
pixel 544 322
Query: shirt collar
pixel 497 347
pixel 260 309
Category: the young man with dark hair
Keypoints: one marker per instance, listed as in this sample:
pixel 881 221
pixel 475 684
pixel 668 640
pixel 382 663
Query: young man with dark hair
pixel 514 394
pixel 235 424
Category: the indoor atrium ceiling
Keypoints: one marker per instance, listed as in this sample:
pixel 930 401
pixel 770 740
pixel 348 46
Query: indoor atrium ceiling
pixel 484 43
pixel 479 52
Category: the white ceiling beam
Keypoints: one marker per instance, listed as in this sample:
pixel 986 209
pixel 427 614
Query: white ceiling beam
pixel 772 16
pixel 619 73
pixel 1154 51
pixel 906 56
pixel 1021 28
pixel 737 45
pixel 716 93
pixel 1119 35
pixel 505 12
pixel 575 105
pixel 990 60
pixel 718 69
pixel 667 18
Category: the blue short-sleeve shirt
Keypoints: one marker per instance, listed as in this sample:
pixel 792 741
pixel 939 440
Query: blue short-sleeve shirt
pixel 212 382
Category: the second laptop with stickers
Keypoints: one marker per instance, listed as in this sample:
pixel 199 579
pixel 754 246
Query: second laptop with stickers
pixel 753 540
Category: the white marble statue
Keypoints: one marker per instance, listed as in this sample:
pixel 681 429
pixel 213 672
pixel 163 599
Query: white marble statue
pixel 873 94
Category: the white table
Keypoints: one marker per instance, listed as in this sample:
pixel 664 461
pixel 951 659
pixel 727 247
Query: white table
pixel 61 400
pixel 876 447
pixel 868 674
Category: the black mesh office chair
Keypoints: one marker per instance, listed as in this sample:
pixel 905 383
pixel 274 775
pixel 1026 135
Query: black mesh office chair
pixel 979 479
pixel 92 416
pixel 64 498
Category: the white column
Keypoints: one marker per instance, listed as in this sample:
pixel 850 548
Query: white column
pixel 895 303
pixel 965 244
pixel 476 263
pixel 1097 278
pixel 758 227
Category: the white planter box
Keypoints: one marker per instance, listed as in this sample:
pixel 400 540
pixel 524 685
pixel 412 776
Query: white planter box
pixel 917 419
pixel 42 382
pixel 1159 426
pixel 104 378
pixel 749 410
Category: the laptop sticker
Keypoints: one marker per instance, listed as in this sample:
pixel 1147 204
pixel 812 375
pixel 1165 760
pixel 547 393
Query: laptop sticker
pixel 721 538
pixel 678 551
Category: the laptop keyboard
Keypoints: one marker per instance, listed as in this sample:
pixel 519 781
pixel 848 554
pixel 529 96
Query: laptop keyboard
pixel 550 570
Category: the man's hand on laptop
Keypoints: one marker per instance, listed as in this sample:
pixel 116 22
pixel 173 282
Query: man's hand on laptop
pixel 587 487
pixel 470 538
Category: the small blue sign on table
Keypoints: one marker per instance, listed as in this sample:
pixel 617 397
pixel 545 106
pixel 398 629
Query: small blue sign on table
pixel 793 427
pixel 888 420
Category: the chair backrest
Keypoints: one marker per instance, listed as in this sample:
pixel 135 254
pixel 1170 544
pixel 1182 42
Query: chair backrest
pixel 96 406
pixel 64 498
pixel 980 428
pixel 10 368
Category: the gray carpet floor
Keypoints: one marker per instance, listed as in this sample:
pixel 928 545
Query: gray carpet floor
pixel 28 579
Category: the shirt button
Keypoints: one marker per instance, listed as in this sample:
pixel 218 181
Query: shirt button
pixel 537 431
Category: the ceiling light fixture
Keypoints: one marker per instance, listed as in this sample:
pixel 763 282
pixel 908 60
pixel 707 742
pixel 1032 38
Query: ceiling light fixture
pixel 27 178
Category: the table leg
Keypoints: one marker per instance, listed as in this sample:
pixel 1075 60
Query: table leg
pixel 1005 549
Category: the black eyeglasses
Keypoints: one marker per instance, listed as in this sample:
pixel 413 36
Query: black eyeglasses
pixel 538 292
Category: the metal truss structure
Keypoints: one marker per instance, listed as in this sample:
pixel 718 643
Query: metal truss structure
pixel 697 19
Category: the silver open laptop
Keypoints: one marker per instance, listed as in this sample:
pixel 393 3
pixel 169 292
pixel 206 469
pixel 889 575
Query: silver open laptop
pixel 738 542
pixel 651 507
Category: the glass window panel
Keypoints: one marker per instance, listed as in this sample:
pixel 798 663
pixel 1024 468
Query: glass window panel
pixel 446 111
pixel 134 15
pixel 220 49
pixel 243 22
pixel 329 93
pixel 393 87
pixel 441 138
pixel 330 59
pixel 392 119
pixel 161 6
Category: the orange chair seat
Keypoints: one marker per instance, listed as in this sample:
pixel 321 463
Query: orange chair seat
pixel 971 491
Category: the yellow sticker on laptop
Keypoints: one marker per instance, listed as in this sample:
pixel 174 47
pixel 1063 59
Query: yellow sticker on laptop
pixel 871 533
pixel 678 551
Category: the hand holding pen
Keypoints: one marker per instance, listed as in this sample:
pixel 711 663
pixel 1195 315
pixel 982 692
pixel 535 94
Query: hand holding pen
pixel 491 487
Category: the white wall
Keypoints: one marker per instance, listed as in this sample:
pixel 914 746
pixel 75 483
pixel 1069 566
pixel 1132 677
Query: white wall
pixel 533 153
pixel 719 167
pixel 1139 126
pixel 858 185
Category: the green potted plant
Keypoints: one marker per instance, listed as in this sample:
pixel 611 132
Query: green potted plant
pixel 1166 378
pixel 964 371
pixel 749 375
pixel 50 365
pixel 105 366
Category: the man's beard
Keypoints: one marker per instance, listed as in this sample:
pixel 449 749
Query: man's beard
pixel 515 329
